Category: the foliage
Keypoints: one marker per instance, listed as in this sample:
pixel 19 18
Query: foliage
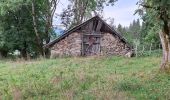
pixel 141 35
pixel 150 30
pixel 17 28
pixel 80 10
pixel 158 16
pixel 132 32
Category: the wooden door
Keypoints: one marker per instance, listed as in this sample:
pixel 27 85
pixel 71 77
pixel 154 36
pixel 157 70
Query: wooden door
pixel 91 44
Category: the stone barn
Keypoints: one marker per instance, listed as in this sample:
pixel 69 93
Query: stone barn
pixel 93 37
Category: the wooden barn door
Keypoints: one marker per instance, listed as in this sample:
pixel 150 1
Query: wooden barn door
pixel 91 44
pixel 91 38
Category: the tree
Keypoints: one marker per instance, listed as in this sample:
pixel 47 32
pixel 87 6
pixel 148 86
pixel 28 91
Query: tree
pixel 50 9
pixel 111 22
pixel 158 11
pixel 119 28
pixel 80 10
pixel 134 29
pixel 35 26
pixel 26 25
pixel 149 34
pixel 132 32
pixel 45 10
pixel 16 32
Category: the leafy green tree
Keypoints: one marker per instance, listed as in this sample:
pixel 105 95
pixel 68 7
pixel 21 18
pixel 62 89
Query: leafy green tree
pixel 120 28
pixel 17 31
pixel 158 16
pixel 134 29
pixel 80 10
pixel 43 11
pixel 26 25
pixel 132 32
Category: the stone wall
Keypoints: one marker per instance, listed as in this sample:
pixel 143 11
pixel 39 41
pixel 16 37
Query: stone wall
pixel 69 46
pixel 111 45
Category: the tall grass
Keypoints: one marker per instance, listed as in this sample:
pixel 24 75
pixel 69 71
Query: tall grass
pixel 91 78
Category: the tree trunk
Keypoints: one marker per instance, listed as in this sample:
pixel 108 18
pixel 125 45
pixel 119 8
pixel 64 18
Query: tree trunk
pixel 24 51
pixel 47 50
pixel 24 54
pixel 165 41
pixel 51 8
pixel 39 43
pixel 0 55
pixel 3 54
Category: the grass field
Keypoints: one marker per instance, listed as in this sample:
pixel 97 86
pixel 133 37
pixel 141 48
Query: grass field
pixel 93 78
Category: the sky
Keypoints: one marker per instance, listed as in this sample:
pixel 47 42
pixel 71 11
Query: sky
pixel 122 11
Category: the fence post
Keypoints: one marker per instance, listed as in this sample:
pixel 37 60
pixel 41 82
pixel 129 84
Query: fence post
pixel 150 51
pixel 143 49
pixel 136 50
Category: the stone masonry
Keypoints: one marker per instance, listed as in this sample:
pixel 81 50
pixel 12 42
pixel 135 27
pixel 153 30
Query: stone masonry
pixel 69 46
pixel 111 45
pixel 72 46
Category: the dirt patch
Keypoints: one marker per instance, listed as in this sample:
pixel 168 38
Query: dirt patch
pixel 114 77
pixel 16 93
pixel 109 95
pixel 56 80
pixel 80 74
pixel 68 95
pixel 0 97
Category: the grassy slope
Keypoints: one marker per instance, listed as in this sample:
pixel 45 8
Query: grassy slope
pixel 85 78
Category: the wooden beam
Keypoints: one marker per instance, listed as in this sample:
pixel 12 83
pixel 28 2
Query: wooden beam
pixel 90 27
pixel 92 34
pixel 99 25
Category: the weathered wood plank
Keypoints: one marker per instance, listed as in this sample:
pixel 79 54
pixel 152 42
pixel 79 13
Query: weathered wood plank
pixel 90 27
pixel 99 25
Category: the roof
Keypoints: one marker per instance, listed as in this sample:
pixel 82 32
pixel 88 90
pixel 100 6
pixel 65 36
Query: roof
pixel 68 32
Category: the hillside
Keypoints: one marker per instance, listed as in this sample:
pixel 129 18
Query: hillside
pixel 101 78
